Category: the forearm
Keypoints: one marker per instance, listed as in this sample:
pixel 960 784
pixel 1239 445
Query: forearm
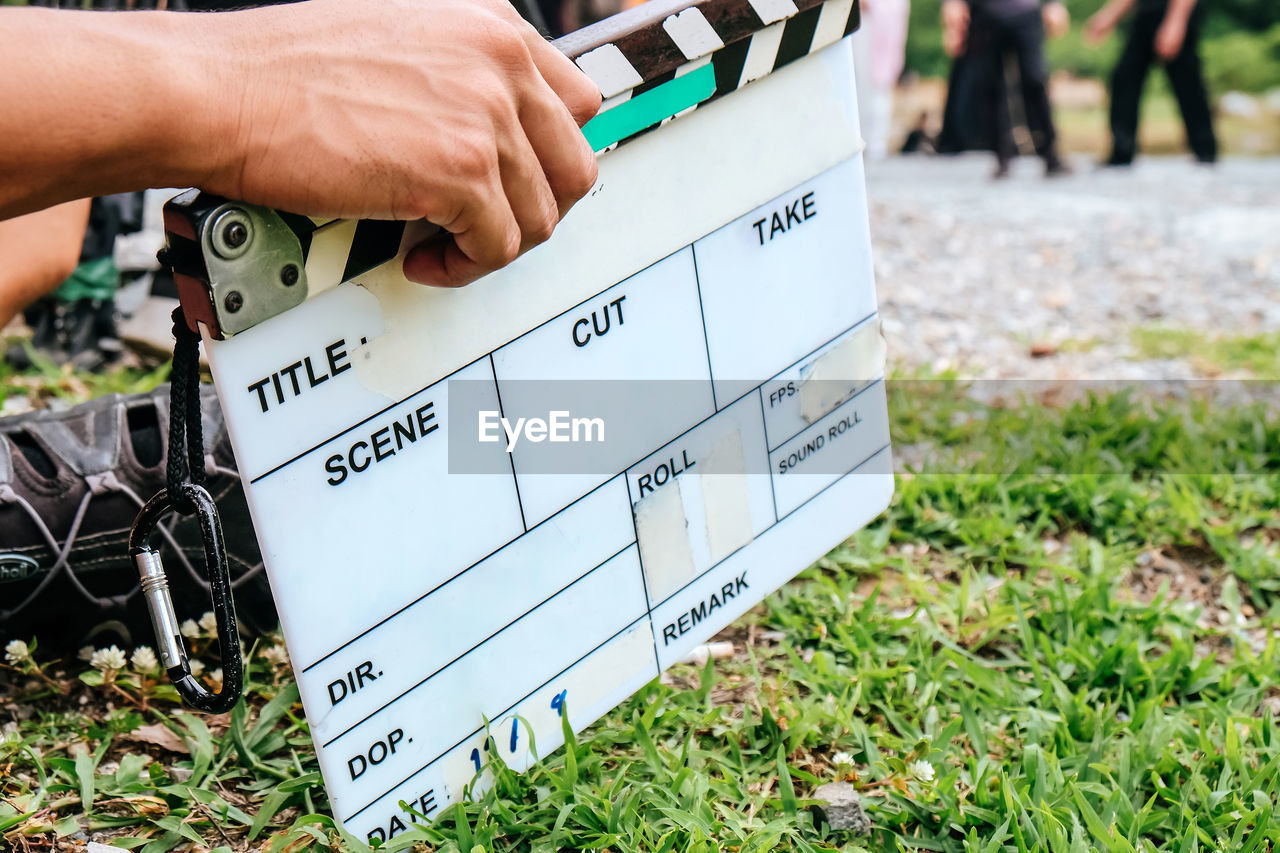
pixel 453 111
pixel 39 251
pixel 103 102
pixel 955 14
pixel 1180 11
pixel 1117 9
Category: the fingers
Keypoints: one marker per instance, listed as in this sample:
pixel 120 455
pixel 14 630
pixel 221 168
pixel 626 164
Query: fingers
pixel 1056 19
pixel 1168 44
pixel 533 205
pixel 1098 27
pixel 508 221
pixel 953 41
pixel 575 89
pixel 567 161
pixel 571 86
pixel 484 237
pixel 516 211
pixel 543 166
pixel 440 263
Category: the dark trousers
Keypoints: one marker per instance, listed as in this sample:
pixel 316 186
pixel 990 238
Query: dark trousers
pixel 1185 78
pixel 1013 49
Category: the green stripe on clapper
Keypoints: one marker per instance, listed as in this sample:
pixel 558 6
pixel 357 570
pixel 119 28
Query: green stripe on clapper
pixel 651 107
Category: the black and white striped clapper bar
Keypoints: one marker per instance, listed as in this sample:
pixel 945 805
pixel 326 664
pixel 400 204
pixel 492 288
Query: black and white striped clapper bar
pixel 489 510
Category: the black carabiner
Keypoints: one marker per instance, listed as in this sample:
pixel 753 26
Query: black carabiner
pixel 155 588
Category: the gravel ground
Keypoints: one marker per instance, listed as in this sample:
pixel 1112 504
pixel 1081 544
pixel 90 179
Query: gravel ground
pixel 975 275
pixel 1045 279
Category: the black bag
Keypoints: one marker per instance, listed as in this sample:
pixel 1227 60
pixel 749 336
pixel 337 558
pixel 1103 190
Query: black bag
pixel 71 484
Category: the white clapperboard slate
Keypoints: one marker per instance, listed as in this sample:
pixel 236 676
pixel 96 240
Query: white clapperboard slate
pixel 711 301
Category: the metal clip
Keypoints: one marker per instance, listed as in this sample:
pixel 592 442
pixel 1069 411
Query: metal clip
pixel 234 264
pixel 155 588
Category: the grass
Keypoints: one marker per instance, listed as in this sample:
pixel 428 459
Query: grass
pixel 1212 355
pixel 46 383
pixel 1064 635
pixel 1080 119
pixel 1083 129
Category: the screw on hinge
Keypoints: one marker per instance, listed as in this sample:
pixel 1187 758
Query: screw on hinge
pixel 235 234
pixel 231 233
pixel 233 301
pixel 289 275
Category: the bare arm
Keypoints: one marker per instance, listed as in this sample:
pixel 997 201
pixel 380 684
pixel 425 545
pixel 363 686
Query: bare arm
pixel 1180 11
pixel 39 251
pixel 1173 29
pixel 955 26
pixel 454 111
pixel 92 107
pixel 1057 19
pixel 1102 22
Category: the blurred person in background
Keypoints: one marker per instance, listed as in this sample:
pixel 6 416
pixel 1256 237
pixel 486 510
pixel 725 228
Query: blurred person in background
pixel 571 15
pixel 879 50
pixel 39 251
pixel 1002 41
pixel 1167 31
pixel 919 140
pixel 84 276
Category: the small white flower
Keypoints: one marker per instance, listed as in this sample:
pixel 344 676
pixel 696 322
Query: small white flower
pixel 85 654
pixel 189 629
pixel 922 770
pixel 842 759
pixel 110 658
pixel 16 652
pixel 208 622
pixel 143 660
pixel 197 667
pixel 276 655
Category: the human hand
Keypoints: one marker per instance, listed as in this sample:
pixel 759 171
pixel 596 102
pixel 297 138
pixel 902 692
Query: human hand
pixel 1057 20
pixel 1099 26
pixel 955 26
pixel 1169 38
pixel 452 111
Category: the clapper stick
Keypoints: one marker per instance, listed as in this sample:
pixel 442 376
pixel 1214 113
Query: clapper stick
pixel 652 63
pixel 489 511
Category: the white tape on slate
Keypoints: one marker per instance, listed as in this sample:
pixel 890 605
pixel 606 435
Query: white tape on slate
pixel 610 70
pixel 762 53
pixel 419 601
pixel 831 22
pixel 692 33
pixel 773 10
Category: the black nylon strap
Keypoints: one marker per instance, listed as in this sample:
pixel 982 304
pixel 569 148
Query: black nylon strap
pixel 186 438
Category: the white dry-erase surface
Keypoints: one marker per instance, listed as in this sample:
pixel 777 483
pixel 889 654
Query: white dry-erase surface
pixel 699 341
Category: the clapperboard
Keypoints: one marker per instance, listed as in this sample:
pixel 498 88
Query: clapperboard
pixel 482 509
